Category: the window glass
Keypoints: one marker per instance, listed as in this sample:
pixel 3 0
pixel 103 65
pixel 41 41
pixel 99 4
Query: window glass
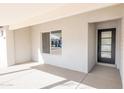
pixel 56 42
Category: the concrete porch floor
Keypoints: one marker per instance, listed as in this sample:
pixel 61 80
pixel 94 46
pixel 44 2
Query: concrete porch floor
pixel 37 76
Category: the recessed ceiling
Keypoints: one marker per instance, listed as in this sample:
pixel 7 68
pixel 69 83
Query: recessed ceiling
pixel 21 15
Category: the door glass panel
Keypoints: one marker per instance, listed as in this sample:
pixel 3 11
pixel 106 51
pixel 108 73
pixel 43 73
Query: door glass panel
pixel 106 48
pixel 106 41
pixel 105 54
pixel 106 44
pixel 106 34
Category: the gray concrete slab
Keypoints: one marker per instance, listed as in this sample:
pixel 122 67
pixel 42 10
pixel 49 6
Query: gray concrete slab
pixel 39 76
pixel 103 77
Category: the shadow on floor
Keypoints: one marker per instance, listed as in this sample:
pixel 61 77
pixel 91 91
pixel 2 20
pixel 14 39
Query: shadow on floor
pixel 65 73
pixel 14 72
pixel 54 85
pixel 100 77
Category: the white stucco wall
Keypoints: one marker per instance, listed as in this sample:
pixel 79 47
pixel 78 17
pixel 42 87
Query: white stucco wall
pixel 22 39
pixel 10 47
pixel 91 46
pixel 73 43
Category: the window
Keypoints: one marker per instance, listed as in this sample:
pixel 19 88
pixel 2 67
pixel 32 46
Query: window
pixel 52 42
pixel 45 42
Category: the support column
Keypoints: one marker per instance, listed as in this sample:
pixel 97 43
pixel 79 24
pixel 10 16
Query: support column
pixel 3 49
pixel 6 47
pixel 122 52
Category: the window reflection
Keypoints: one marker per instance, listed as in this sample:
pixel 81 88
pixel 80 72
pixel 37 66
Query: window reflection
pixel 56 42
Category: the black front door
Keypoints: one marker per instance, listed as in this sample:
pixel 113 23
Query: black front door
pixel 106 45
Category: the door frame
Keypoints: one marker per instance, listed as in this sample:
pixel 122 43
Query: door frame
pixel 113 44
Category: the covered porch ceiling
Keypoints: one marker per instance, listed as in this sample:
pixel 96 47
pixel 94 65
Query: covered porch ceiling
pixel 21 15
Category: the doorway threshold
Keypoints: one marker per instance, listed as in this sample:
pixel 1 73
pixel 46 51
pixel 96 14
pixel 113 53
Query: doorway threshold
pixel 105 64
